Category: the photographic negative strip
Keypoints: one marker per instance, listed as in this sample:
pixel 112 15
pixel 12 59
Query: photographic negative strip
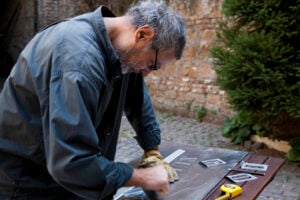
pixel 212 162
pixel 241 177
pixel 254 166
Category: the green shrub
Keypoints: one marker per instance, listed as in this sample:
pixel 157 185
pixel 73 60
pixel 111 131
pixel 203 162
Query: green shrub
pixel 257 61
pixel 238 129
pixel 294 153
pixel 201 112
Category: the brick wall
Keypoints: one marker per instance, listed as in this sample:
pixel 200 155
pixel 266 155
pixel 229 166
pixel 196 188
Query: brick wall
pixel 50 11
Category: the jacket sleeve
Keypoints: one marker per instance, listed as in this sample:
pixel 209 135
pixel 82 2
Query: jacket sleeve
pixel 140 113
pixel 74 158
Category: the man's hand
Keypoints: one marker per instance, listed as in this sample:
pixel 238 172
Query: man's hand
pixel 152 178
pixel 153 158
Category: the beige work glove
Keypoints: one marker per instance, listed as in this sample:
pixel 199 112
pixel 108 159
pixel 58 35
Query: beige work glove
pixel 152 158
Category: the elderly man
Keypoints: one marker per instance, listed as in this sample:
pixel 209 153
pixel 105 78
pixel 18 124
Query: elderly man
pixel 62 104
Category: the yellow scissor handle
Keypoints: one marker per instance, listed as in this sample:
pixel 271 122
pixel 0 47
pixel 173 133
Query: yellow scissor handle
pixel 224 197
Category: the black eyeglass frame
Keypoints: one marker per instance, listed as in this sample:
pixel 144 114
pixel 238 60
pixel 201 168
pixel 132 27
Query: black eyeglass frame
pixel 155 66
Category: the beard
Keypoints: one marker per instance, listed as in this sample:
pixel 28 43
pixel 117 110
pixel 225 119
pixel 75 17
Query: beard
pixel 128 67
pixel 128 64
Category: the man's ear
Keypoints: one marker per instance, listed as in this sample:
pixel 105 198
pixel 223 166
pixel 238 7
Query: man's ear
pixel 144 33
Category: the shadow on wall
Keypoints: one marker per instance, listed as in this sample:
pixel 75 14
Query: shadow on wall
pixel 9 14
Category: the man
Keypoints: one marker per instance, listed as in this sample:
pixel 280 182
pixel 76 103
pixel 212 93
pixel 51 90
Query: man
pixel 62 104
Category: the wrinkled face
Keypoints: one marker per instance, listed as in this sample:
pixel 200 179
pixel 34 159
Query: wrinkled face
pixel 141 60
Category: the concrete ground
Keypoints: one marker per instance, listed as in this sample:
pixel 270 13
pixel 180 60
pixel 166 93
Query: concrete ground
pixel 284 186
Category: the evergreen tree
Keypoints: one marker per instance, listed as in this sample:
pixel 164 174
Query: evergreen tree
pixel 257 59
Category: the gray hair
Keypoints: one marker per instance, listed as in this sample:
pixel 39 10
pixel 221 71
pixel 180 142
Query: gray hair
pixel 169 27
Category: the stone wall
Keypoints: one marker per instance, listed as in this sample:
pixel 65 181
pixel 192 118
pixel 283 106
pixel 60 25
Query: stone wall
pixel 186 87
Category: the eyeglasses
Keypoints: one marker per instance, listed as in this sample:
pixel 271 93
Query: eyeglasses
pixel 155 66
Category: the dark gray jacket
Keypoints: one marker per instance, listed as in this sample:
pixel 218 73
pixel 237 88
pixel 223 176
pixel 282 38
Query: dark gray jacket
pixel 60 114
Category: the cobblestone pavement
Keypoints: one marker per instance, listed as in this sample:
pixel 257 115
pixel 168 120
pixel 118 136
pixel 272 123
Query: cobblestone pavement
pixel 284 186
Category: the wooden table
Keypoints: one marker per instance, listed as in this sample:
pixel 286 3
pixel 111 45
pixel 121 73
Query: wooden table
pixel 197 182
